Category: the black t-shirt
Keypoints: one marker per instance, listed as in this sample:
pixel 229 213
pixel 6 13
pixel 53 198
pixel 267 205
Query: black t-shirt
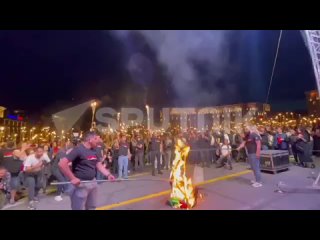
pixel 123 149
pixel 140 142
pixel 12 164
pixel 155 144
pixel 203 143
pixel 55 162
pixel 84 162
pixel 264 139
pixel 251 144
pixel 168 144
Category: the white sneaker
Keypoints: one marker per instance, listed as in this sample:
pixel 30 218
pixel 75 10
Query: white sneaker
pixel 256 185
pixel 58 198
pixel 252 181
pixel 31 205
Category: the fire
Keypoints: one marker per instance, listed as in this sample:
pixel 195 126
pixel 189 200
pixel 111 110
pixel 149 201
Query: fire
pixel 183 193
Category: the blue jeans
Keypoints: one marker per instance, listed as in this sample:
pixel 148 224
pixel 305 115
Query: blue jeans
pixel 61 178
pixel 255 166
pixel 100 176
pixel 123 166
pixel 84 196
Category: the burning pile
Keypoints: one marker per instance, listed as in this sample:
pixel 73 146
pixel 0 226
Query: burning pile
pixel 183 193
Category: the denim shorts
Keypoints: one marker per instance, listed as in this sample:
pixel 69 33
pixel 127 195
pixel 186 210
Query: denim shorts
pixel 15 183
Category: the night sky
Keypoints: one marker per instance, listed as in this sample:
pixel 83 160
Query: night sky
pixel 42 71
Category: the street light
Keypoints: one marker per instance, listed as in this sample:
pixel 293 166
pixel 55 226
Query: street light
pixel 93 107
pixel 148 117
pixel 118 119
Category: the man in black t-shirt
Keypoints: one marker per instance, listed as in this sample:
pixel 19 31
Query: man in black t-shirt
pixel 124 156
pixel 139 153
pixel 85 163
pixel 155 152
pixel 252 143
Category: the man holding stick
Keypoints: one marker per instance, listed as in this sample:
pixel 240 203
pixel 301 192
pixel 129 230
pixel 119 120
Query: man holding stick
pixel 85 163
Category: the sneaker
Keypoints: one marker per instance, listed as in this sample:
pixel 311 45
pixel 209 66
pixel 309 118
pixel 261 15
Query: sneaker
pixel 31 205
pixel 36 199
pixel 256 185
pixel 58 198
pixel 159 172
pixel 252 181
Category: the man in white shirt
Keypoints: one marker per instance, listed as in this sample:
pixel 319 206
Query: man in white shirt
pixel 225 155
pixel 33 167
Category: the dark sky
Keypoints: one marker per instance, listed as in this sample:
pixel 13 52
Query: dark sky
pixel 41 71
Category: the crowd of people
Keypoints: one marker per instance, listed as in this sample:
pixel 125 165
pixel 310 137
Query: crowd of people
pixel 34 166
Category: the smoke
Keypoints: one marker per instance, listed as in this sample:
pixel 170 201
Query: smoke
pixel 197 63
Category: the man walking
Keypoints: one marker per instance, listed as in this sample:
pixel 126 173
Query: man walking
pixel 252 143
pixel 33 168
pixel 85 163
pixel 139 156
pixel 155 152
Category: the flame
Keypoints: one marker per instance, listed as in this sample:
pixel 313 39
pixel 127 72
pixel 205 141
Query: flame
pixel 182 188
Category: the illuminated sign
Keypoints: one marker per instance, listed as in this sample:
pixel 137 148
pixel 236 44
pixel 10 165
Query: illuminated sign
pixel 16 118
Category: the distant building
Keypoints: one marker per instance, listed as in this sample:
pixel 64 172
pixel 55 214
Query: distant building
pixel 313 102
pixel 2 110
pixel 12 126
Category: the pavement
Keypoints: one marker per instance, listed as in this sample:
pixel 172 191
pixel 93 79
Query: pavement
pixel 221 189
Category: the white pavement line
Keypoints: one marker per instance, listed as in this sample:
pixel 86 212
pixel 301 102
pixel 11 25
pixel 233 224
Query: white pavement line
pixel 8 206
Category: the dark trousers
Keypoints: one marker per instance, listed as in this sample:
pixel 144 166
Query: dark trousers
pixel 223 160
pixel 167 162
pixel 212 155
pixel 131 165
pixel 154 155
pixel 139 160
pixel 204 156
pixel 61 178
pixel 3 199
pixel 114 165
pixel 34 184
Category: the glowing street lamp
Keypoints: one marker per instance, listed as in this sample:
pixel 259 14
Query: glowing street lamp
pixel 93 107
pixel 148 117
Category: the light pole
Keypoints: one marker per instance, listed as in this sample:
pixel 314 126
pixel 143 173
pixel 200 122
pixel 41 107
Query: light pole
pixel 118 118
pixel 148 117
pixel 93 107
